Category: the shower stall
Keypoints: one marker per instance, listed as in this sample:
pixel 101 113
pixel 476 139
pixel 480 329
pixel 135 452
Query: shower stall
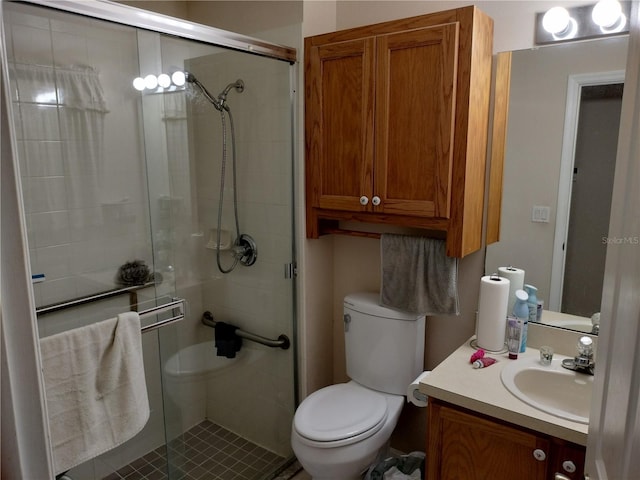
pixel 141 193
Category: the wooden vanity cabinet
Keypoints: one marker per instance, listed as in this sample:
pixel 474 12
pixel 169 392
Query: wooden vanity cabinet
pixel 464 444
pixel 396 121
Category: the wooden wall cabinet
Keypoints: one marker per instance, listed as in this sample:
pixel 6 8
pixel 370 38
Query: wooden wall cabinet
pixel 462 444
pixel 396 119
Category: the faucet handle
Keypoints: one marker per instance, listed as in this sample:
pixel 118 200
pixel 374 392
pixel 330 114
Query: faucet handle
pixel 585 347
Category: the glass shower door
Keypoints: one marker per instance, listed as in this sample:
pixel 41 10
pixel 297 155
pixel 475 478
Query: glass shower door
pixel 235 413
pixel 112 174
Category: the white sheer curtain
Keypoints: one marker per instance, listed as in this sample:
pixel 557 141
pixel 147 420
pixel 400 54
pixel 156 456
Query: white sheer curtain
pixel 81 105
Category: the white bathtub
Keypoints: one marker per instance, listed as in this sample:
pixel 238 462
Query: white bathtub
pixel 188 372
pixel 200 359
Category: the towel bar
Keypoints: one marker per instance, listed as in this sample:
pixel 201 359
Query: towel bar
pixel 282 341
pixel 91 298
pixel 175 304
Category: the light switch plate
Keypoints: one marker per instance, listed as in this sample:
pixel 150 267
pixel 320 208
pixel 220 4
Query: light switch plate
pixel 540 214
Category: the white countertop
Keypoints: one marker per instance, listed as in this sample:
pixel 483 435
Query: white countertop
pixel 455 381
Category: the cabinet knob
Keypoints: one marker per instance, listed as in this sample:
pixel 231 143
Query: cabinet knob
pixel 539 455
pixel 569 466
pixel 376 200
pixel 364 200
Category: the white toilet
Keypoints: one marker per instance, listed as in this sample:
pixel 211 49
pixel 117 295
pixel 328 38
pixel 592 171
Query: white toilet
pixel 339 430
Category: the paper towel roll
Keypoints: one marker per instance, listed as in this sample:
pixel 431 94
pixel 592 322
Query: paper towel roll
pixel 414 395
pixel 516 277
pixel 492 312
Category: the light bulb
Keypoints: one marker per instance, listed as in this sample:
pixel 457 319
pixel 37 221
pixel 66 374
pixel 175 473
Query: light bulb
pixel 606 13
pixel 556 20
pixel 164 80
pixel 138 83
pixel 178 78
pixel 151 82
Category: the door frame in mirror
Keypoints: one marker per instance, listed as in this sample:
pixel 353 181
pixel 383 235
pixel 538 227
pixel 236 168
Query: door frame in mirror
pixel 574 89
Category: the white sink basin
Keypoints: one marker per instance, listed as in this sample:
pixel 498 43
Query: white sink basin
pixel 551 389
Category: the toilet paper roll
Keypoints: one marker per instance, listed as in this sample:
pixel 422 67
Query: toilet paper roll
pixel 516 277
pixel 492 312
pixel 414 395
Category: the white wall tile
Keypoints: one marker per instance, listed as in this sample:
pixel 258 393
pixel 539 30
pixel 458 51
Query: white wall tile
pixel 43 158
pixel 40 122
pixel 44 194
pixel 50 228
pixel 32 45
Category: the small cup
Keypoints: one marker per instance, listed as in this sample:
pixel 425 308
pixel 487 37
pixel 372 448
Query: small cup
pixel 546 355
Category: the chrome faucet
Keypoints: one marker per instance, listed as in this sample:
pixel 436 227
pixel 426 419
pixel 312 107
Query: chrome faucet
pixel 583 362
pixel 595 321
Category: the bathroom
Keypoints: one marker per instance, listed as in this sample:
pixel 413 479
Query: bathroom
pixel 333 266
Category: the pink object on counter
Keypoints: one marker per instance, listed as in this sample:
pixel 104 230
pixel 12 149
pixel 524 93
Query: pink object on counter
pixel 478 354
pixel 484 362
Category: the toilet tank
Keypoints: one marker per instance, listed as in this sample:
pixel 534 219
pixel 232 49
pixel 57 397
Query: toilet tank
pixel 384 346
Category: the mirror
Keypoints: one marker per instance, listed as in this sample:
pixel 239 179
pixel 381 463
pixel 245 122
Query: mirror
pixel 544 121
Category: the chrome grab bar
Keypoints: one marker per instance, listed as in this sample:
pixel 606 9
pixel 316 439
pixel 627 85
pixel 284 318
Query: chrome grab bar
pixel 282 342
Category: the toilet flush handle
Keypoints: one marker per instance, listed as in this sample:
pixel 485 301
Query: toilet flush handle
pixel 347 321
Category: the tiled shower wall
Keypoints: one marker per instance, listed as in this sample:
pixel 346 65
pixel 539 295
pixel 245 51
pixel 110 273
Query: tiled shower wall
pixel 85 217
pixel 258 299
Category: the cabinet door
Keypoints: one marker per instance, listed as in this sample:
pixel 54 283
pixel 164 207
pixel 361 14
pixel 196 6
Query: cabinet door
pixel 568 459
pixel 469 447
pixel 416 77
pixel 339 116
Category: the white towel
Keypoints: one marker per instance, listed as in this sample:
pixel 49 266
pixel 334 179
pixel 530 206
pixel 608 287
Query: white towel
pixel 95 388
pixel 417 276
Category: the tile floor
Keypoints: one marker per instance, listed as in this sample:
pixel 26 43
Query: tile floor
pixel 205 452
pixel 301 475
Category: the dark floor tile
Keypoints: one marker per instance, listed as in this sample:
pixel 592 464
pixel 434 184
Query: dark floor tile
pixel 205 452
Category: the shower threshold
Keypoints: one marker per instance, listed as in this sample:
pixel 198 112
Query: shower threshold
pixel 205 452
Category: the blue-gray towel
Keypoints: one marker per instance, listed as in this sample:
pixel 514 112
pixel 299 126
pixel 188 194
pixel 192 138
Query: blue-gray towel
pixel 417 276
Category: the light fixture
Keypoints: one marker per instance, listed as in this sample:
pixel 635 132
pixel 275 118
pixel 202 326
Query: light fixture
pixel 138 83
pixel 164 80
pixel 556 20
pixel 161 83
pixel 560 24
pixel 608 15
pixel 151 82
pixel 178 78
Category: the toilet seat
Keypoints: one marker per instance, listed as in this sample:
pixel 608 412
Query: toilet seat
pixel 340 415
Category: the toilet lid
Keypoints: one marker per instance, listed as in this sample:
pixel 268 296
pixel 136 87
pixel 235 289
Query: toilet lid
pixel 340 412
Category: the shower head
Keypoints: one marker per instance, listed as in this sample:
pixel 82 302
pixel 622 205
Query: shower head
pixel 238 85
pixel 217 102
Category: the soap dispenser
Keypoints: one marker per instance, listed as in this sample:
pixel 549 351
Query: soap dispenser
pixel 532 302
pixel 521 311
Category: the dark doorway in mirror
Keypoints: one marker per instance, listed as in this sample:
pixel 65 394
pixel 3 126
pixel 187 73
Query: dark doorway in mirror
pixel 591 191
